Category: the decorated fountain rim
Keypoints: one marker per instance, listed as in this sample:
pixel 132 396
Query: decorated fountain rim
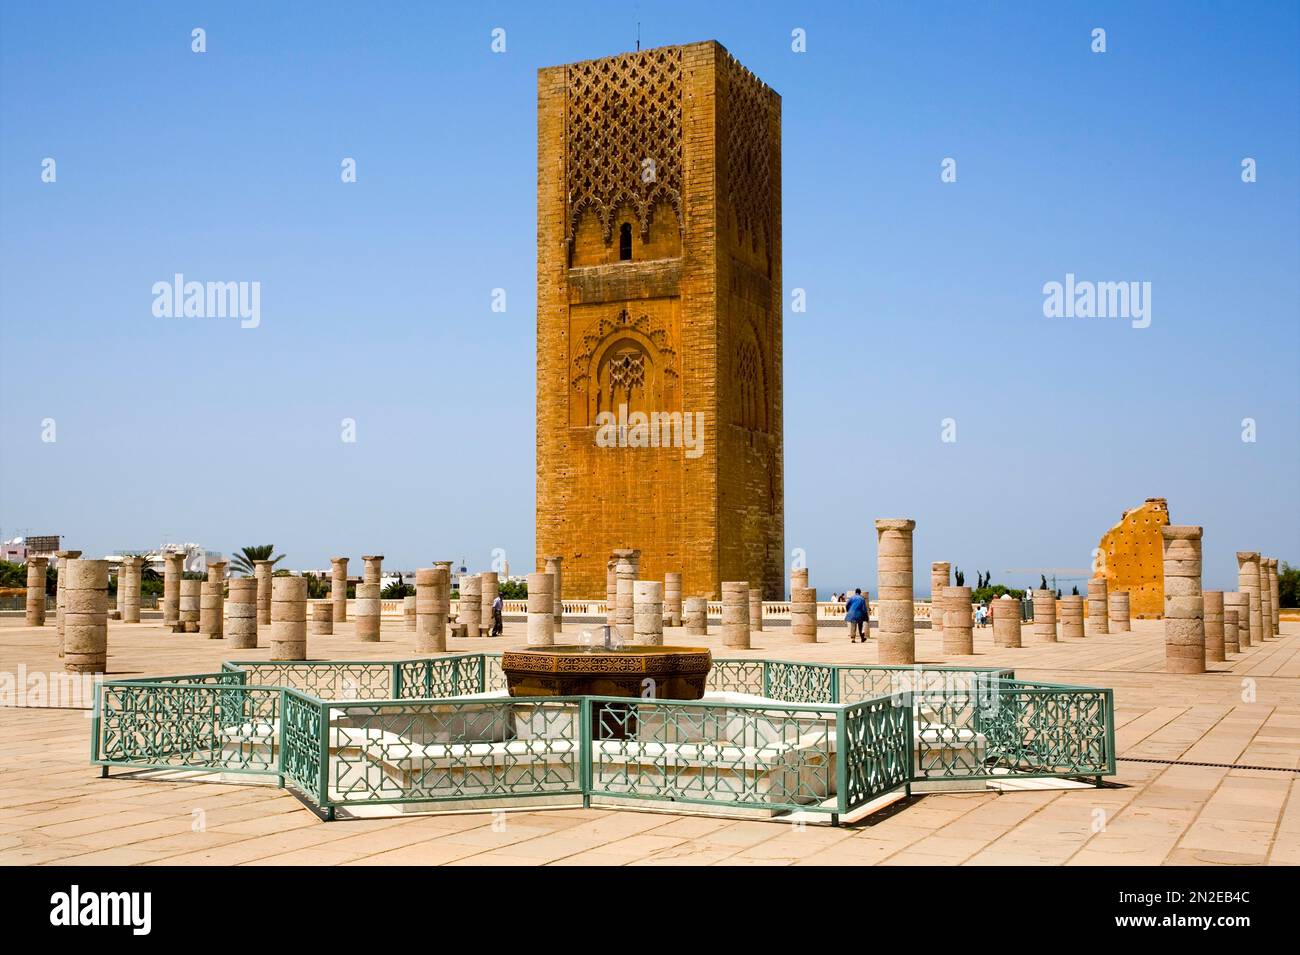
pixel 578 658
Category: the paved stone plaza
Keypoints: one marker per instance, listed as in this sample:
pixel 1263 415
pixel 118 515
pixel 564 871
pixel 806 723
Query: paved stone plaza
pixel 1208 773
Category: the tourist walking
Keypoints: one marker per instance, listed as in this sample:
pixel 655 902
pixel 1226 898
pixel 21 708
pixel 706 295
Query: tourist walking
pixel 497 607
pixel 856 614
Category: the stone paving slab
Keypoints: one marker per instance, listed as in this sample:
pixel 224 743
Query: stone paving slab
pixel 56 810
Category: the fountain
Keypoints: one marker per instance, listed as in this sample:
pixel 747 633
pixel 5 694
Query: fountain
pixel 609 668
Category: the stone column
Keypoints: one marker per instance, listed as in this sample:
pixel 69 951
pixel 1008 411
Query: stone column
pixel 191 597
pixel 1248 584
pixel 445 566
pixel 695 616
pixel 339 588
pixel 626 575
pixel 1006 622
pixel 1215 641
pixel 431 608
pixel 368 612
pixel 798 580
pixel 553 567
pixel 541 610
pixel 288 618
pixel 1230 644
pixel 673 598
pixel 1265 601
pixel 1117 612
pixel 131 604
pixel 322 618
pixel 262 573
pixel 85 615
pixel 35 611
pixel 894 577
pixel 120 596
pixel 1072 615
pixel 939 581
pixel 958 632
pixel 211 599
pixel 1098 607
pixel 470 611
pixel 373 572
pixel 173 568
pixel 1184 603
pixel 648 613
pixel 755 610
pixel 241 613
pixel 803 614
pixel 1274 590
pixel 1044 627
pixel 408 612
pixel 63 557
pixel 735 614
pixel 611 591
pixel 1238 604
pixel 490 582
pixel 893 574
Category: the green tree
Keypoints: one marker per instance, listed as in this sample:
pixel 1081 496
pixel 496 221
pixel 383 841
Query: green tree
pixel 513 590
pixel 397 590
pixel 242 561
pixel 1288 585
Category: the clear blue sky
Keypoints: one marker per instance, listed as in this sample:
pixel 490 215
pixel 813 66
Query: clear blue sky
pixel 924 298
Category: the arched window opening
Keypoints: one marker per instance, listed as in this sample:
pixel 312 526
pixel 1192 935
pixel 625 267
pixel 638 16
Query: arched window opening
pixel 625 242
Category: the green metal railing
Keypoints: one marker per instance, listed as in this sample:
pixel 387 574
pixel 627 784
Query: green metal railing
pixel 376 732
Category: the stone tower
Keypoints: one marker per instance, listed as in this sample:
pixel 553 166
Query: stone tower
pixel 659 319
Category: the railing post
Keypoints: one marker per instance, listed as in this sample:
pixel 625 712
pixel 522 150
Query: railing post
pixel 767 681
pixel 397 680
pixel 841 765
pixel 835 683
pixel 323 718
pixel 584 750
pixel 280 722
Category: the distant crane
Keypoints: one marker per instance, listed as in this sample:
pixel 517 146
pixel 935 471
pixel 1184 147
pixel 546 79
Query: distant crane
pixel 1056 573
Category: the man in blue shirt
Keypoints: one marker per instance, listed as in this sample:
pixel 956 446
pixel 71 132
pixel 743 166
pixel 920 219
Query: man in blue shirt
pixel 857 613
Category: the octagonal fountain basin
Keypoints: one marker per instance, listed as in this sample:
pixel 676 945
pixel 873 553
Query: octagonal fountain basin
pixel 679 673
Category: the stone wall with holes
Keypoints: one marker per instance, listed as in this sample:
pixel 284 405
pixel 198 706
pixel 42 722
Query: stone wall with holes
pixel 1132 558
pixel 680 145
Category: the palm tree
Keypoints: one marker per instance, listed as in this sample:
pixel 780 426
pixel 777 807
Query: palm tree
pixel 242 562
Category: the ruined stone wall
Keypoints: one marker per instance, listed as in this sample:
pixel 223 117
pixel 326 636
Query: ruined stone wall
pixel 1131 558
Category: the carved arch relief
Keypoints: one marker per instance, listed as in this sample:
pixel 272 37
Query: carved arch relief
pixel 622 360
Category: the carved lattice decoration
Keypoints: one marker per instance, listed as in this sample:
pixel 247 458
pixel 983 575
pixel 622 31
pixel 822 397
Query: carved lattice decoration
pixel 622 111
pixel 751 154
pixel 751 398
